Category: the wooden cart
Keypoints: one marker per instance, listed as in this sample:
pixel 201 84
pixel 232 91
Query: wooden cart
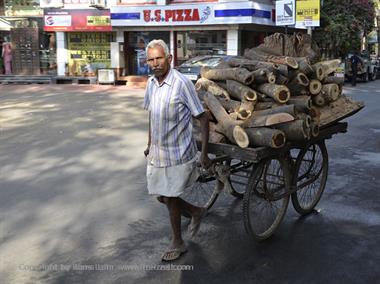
pixel 267 178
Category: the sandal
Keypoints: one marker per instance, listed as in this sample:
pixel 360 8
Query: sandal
pixel 173 254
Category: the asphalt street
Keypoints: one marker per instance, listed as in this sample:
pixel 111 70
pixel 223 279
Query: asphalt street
pixel 74 206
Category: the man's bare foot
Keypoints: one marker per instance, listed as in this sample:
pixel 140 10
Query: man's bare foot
pixel 174 252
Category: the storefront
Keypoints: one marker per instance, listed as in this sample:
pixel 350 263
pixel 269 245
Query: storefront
pixel 33 50
pixel 191 30
pixel 83 39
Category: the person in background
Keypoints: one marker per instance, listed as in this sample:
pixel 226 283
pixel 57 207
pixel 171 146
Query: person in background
pixel 355 60
pixel 7 56
pixel 172 103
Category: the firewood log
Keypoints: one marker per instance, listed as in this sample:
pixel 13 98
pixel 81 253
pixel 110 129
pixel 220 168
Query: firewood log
pixel 211 87
pixel 229 105
pixel 267 137
pixel 241 92
pixel 263 105
pixel 267 120
pixel 329 66
pixel 330 92
pixel 256 54
pixel 314 129
pixel 263 75
pixel 305 117
pixel 315 87
pixel 251 64
pixel 304 65
pixel 238 74
pixel 213 137
pixel 294 130
pixel 230 129
pixel 279 93
pixel 290 109
pixel 333 79
pixel 314 113
pixel 298 85
pixel 318 72
pixel 281 79
pixel 301 103
pixel 319 100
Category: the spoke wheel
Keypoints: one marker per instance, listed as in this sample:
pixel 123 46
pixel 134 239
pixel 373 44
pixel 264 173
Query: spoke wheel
pixel 203 193
pixel 263 209
pixel 310 178
pixel 240 173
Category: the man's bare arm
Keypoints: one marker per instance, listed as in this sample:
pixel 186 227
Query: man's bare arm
pixel 146 151
pixel 203 119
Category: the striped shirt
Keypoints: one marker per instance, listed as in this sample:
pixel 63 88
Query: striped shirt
pixel 172 105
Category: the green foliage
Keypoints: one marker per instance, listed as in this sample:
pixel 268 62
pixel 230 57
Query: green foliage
pixel 343 23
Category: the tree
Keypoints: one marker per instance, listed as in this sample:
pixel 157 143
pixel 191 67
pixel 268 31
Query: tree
pixel 343 24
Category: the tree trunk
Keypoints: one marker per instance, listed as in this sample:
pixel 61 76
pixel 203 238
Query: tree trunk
pixel 255 54
pixel 304 65
pixel 298 85
pixel 330 92
pixel 294 130
pixel 211 87
pixel 329 66
pixel 230 129
pixel 240 91
pixel 290 109
pixel 263 75
pixel 238 74
pixel 333 79
pixel 301 103
pixel 315 87
pixel 267 120
pixel 318 72
pixel 279 93
pixel 267 137
pixel 319 100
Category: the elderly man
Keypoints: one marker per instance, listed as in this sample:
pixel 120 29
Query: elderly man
pixel 172 101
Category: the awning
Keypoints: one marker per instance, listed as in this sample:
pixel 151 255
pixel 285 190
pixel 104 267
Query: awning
pixel 5 25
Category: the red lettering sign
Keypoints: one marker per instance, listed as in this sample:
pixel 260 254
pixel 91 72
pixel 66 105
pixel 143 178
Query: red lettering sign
pixel 179 15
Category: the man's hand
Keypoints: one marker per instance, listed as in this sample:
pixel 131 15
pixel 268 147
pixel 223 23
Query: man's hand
pixel 146 151
pixel 205 161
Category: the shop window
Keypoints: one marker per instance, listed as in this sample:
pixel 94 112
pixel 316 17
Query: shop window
pixel 198 43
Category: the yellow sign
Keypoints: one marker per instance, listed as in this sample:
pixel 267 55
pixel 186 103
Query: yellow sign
pixel 307 13
pixel 98 21
pixel 89 52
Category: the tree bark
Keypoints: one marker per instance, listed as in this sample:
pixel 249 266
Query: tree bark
pixel 319 100
pixel 279 93
pixel 333 79
pixel 239 91
pixel 301 103
pixel 267 120
pixel 267 137
pixel 263 75
pixel 211 87
pixel 256 54
pixel 298 86
pixel 230 129
pixel 238 74
pixel 290 109
pixel 294 130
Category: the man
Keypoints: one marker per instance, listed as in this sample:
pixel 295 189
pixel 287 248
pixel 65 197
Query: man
pixel 172 101
pixel 355 60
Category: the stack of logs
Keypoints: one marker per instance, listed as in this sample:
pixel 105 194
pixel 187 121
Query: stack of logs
pixel 266 100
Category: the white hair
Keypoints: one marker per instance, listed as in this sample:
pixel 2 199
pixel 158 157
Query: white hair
pixel 158 42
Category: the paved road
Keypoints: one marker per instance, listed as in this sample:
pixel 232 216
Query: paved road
pixel 74 207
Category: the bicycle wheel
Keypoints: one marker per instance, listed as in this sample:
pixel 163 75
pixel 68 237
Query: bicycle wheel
pixel 310 176
pixel 266 199
pixel 204 192
pixel 240 173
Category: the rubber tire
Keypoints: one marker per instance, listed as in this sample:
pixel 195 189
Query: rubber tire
pixel 252 199
pixel 300 206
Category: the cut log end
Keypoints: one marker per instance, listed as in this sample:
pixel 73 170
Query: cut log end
pixel 303 80
pixel 283 96
pixel 241 138
pixel 315 87
pixel 278 140
pixel 314 129
pixel 243 114
pixel 271 78
pixel 291 62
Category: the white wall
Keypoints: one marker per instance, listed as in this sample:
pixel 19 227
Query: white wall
pixel 233 47
pixel 61 53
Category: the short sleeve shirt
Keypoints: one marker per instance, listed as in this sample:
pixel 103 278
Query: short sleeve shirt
pixel 172 106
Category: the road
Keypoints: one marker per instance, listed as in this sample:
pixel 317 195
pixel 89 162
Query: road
pixel 74 206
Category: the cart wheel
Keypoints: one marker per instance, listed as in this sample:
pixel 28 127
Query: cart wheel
pixel 263 206
pixel 240 173
pixel 310 176
pixel 203 193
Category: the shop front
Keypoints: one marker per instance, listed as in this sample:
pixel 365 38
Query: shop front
pixel 84 38
pixel 193 29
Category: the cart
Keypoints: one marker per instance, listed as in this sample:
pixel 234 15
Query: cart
pixel 266 179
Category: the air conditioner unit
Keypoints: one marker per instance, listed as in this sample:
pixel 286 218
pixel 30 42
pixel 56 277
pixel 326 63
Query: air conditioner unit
pixel 98 3
pixel 106 76
pixel 51 3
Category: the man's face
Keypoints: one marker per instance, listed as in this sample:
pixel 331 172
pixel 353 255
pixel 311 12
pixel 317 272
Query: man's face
pixel 158 62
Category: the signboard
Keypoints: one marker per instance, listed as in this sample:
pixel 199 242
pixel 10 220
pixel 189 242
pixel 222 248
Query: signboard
pixel 51 3
pixel 285 12
pixel 22 8
pixel 88 52
pixel 200 14
pixel 77 20
pixel 307 13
